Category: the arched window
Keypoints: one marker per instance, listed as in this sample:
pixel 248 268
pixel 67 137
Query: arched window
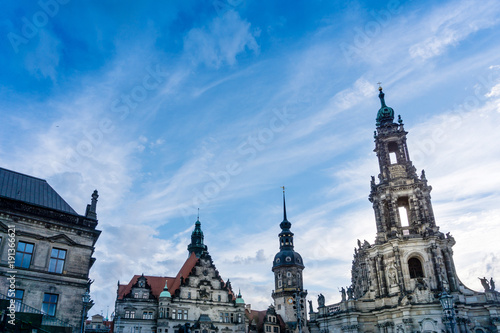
pixel 415 268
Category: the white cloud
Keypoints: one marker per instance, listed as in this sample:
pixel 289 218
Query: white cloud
pixel 219 43
pixel 449 25
pixel 43 62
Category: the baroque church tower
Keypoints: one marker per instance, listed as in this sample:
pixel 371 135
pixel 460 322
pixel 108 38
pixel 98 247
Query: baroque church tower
pixel 289 294
pixel 409 251
pixel 400 279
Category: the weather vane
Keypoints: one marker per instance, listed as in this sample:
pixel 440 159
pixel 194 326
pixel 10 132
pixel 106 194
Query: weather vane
pixel 379 85
pixel 283 187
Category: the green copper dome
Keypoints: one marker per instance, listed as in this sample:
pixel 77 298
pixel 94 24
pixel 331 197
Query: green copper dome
pixel 239 299
pixel 165 292
pixel 385 114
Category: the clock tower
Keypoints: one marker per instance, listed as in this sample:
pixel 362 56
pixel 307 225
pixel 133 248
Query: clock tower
pixel 289 294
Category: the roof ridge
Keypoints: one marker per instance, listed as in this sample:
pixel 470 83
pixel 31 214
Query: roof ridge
pixel 25 175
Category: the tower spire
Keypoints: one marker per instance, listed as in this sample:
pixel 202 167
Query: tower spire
pixel 284 205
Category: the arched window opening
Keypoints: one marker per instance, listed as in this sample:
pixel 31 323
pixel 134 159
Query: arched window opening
pixel 392 147
pixel 415 268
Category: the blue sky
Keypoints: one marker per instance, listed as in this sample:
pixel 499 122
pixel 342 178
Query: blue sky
pixel 170 107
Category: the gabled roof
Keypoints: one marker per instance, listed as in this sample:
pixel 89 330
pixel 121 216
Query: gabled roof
pixel 31 190
pixel 258 319
pixel 184 272
pixel 157 283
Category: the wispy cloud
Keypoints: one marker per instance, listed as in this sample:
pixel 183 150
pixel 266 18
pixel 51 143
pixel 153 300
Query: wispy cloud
pixel 221 41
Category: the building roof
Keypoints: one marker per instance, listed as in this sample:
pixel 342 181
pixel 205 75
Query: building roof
pixel 184 273
pixel 157 283
pixel 31 190
pixel 258 319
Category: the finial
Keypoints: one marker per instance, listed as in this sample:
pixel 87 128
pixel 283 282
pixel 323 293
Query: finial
pixel 198 217
pixel 379 86
pixel 374 134
pixel 284 204
pixel 91 209
pixel 400 120
pixel 381 96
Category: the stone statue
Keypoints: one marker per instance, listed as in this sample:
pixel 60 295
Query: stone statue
pixel 350 292
pixel 342 291
pixel 321 300
pixel 392 276
pixel 484 282
pixel 492 284
pixel 311 307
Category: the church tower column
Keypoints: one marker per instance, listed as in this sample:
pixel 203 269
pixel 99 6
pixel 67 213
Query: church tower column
pixel 289 294
pixel 401 200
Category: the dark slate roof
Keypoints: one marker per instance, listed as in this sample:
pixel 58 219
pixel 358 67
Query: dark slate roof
pixel 28 189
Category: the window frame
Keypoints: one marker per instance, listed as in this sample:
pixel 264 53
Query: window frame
pixel 49 306
pixel 57 260
pixel 23 253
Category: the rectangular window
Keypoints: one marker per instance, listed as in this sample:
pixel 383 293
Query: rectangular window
pixel 24 253
pixel 147 315
pixel 145 295
pixel 189 294
pixel 185 314
pixel 18 297
pixel 49 304
pixel 174 313
pixel 275 329
pixel 57 257
pixel 179 314
pixel 136 295
pixel 132 314
pixel 127 314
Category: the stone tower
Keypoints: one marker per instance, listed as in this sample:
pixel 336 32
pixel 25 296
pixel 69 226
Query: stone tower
pixel 410 250
pixel 289 294
pixel 400 279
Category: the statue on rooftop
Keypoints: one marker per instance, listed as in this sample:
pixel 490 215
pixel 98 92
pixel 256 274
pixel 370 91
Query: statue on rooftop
pixel 484 282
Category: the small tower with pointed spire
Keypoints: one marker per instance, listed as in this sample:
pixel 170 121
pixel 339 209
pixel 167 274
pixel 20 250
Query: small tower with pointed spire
pixel 289 294
pixel 197 245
